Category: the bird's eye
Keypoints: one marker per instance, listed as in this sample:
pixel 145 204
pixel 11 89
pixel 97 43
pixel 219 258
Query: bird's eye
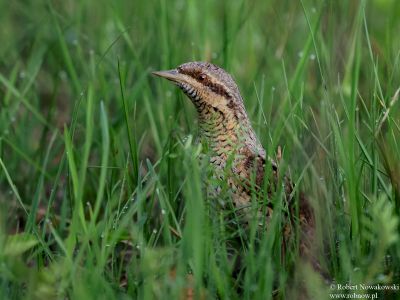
pixel 202 77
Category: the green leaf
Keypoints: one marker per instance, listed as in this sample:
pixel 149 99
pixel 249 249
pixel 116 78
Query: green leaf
pixel 19 243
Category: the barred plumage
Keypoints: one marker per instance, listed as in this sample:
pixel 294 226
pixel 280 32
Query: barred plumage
pixel 225 127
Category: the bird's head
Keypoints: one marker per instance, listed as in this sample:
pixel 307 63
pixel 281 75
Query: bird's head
pixel 218 102
pixel 208 86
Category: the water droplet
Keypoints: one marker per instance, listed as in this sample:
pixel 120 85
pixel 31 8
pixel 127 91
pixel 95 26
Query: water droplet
pixel 180 5
pixel 300 54
pixel 312 56
pixel 254 287
pixel 22 74
pixel 63 75
pixel 381 277
pixel 154 231
pixel 163 211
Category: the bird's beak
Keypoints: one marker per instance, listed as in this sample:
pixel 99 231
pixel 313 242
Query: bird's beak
pixel 172 75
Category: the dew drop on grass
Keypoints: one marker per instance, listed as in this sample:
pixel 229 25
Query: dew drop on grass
pixel 180 5
pixel 312 56
pixel 254 287
pixel 163 211
pixel 63 75
pixel 154 230
pixel 381 277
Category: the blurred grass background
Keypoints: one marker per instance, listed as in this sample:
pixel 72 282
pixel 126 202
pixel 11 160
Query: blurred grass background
pixel 100 185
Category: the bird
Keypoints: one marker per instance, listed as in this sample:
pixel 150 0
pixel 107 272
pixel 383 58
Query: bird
pixel 236 154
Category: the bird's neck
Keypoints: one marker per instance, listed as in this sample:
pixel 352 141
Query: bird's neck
pixel 227 133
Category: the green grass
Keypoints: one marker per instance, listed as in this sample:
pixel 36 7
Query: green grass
pixel 101 187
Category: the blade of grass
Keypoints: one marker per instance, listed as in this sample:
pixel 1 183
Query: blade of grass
pixel 131 138
pixel 104 160
pixel 78 206
pixel 13 187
